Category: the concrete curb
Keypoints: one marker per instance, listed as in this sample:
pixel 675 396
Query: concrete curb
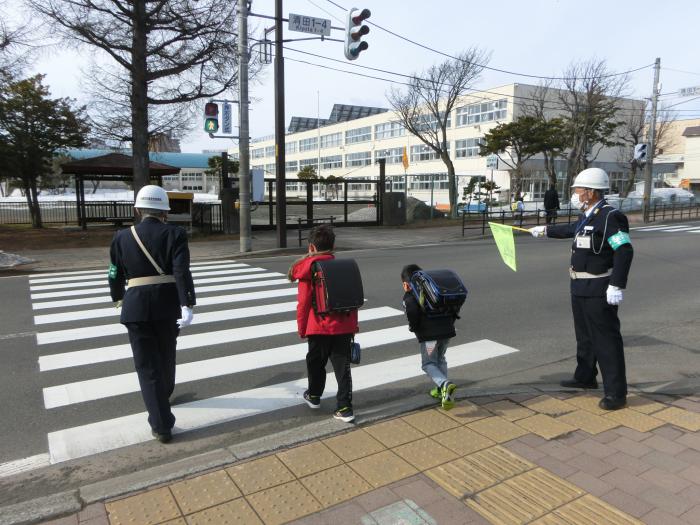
pixel 40 509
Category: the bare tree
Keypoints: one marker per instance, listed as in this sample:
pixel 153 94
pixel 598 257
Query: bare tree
pixel 425 107
pixel 633 131
pixel 14 46
pixel 591 98
pixel 165 52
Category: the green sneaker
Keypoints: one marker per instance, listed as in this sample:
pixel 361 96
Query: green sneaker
pixel 448 400
pixel 435 392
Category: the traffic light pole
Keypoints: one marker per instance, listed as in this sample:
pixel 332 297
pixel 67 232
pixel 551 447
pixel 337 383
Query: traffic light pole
pixel 280 160
pixel 649 168
pixel 245 237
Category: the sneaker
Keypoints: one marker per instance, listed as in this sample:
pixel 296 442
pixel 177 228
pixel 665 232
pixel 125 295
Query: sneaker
pixel 435 392
pixel 165 437
pixel 312 401
pixel 448 400
pixel 344 414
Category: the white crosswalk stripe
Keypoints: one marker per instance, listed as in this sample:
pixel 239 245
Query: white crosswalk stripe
pixel 75 349
pixel 668 228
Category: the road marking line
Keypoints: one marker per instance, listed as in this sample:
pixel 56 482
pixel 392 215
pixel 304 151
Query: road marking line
pixel 23 465
pixel 94 438
pixel 86 272
pixel 104 387
pixel 88 332
pixel 187 342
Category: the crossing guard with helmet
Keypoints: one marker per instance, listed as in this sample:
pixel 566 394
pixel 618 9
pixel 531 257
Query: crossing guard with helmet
pixel 601 257
pixel 150 278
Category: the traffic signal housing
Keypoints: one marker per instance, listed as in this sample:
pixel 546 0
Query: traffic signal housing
pixel 640 153
pixel 354 31
pixel 211 117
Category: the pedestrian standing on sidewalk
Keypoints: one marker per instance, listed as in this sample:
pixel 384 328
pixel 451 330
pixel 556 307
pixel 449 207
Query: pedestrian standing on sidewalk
pixel 330 335
pixel 601 256
pixel 551 204
pixel 150 278
pixel 433 334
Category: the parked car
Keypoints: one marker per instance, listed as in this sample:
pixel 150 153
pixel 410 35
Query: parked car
pixel 472 207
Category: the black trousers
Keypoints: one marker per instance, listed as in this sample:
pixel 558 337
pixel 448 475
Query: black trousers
pixel 337 349
pixel 551 216
pixel 153 345
pixel 598 340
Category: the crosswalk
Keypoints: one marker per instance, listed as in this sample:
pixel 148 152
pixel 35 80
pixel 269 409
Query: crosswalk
pixel 692 228
pixel 244 323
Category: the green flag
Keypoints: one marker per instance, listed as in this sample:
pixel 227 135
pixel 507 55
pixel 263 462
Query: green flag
pixel 503 235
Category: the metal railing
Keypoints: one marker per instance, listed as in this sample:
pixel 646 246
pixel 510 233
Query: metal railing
pixel 478 220
pixel 674 211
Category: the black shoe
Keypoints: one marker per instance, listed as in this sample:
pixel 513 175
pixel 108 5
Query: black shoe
pixel 344 414
pixel 165 437
pixel 573 383
pixel 312 401
pixel 612 403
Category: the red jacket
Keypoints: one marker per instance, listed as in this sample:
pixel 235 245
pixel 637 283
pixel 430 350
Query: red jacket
pixel 307 320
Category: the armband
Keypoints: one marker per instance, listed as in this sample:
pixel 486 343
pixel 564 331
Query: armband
pixel 112 272
pixel 617 240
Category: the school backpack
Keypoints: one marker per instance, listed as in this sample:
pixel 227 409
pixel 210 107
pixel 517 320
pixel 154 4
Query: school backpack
pixel 438 292
pixel 336 286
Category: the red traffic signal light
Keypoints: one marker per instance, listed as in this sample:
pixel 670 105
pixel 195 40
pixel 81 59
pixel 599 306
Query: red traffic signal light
pixel 354 31
pixel 211 109
pixel 360 16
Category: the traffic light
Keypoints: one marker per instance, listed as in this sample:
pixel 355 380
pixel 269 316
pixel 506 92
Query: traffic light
pixel 354 31
pixel 211 117
pixel 640 153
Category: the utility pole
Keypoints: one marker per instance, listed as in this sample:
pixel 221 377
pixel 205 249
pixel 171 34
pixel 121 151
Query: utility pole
pixel 649 168
pixel 243 132
pixel 280 162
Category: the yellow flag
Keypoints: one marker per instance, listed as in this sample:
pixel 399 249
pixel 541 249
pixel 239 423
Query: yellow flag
pixel 503 235
pixel 404 159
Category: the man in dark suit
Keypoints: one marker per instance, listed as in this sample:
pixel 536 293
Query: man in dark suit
pixel 551 203
pixel 149 277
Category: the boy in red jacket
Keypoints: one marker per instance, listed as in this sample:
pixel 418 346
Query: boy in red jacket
pixel 329 336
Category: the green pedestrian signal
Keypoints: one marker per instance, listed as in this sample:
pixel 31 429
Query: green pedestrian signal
pixel 211 117
pixel 211 125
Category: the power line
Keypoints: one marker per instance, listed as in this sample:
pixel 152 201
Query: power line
pixel 681 71
pixel 683 102
pixel 541 77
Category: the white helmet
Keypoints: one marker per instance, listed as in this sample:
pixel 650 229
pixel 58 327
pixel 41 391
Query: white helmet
pixel 594 178
pixel 153 197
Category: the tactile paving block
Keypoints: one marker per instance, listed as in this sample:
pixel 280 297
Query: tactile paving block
pixel 465 412
pixel 260 474
pixel 147 508
pixel 681 418
pixel 498 463
pixel 588 402
pixel 335 485
pixel 587 510
pixel 430 421
pixel 508 410
pixel 463 440
pixel 460 478
pixel 204 491
pixel 424 453
pixel 643 404
pixel 549 405
pixel 497 429
pixel 635 420
pixel 588 422
pixel 394 432
pixel 354 445
pixel 236 512
pixel 383 468
pixel 309 459
pixel 283 503
pixel 545 426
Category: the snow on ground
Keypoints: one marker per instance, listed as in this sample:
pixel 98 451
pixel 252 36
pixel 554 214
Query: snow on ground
pixel 8 260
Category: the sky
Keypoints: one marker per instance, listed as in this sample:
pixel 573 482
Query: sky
pixel 533 37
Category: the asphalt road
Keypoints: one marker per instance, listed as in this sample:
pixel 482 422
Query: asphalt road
pixel 527 310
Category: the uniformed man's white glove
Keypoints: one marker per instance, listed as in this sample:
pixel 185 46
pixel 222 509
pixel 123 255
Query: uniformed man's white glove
pixel 614 295
pixel 186 318
pixel 538 231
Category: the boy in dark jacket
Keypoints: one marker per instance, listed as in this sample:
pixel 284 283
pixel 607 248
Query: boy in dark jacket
pixel 433 334
pixel 329 336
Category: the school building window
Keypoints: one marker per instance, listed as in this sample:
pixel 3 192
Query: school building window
pixel 332 140
pixel 270 169
pixel 482 112
pixel 308 162
pixel 353 136
pixel 308 144
pixel 467 147
pixel 388 130
pixel 270 151
pixel 334 161
pixel 290 147
pixel 392 155
pixel 426 121
pixel 421 153
pixel 362 158
pixel 291 166
pixel 424 182
pixel 257 153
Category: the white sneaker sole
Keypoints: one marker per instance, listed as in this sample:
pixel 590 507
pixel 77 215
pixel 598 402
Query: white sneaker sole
pixel 345 419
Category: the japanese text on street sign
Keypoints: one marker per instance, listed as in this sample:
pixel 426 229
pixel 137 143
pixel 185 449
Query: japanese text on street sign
pixel 503 236
pixel 492 162
pixel 689 91
pixel 226 118
pixel 309 24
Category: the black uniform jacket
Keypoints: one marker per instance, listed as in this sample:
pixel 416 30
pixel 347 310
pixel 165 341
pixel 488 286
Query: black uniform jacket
pixel 426 328
pixel 609 248
pixel 551 200
pixel 167 244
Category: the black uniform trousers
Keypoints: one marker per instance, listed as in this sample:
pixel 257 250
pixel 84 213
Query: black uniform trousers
pixel 337 349
pixel 598 340
pixel 153 345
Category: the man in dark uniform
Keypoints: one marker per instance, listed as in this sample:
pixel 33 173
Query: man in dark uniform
pixel 152 260
pixel 601 257
pixel 551 203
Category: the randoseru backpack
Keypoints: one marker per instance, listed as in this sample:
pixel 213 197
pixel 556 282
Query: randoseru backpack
pixel 336 286
pixel 438 292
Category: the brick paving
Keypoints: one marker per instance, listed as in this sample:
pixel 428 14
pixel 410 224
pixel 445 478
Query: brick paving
pixel 541 459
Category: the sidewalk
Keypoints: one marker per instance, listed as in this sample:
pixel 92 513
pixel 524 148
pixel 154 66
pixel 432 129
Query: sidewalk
pixel 545 459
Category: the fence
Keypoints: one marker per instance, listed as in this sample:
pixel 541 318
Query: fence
pixel 674 211
pixel 478 220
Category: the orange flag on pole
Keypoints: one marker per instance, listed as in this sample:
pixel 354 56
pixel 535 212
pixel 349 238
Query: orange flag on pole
pixel 404 159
